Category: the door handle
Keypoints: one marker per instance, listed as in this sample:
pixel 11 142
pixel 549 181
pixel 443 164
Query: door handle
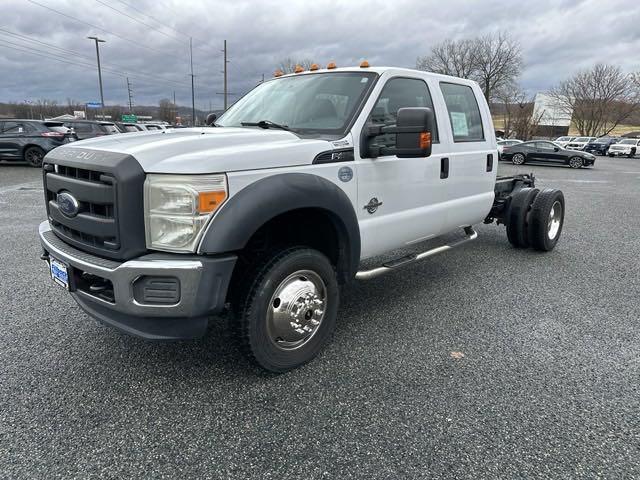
pixel 489 162
pixel 444 167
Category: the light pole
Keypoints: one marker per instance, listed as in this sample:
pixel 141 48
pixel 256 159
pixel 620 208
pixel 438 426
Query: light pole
pixel 98 40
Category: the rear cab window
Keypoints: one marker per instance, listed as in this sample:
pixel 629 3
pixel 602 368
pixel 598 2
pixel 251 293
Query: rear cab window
pixel 464 112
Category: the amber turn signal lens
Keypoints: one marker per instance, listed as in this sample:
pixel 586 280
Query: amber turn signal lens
pixel 331 65
pixel 299 69
pixel 278 73
pixel 364 64
pixel 425 140
pixel 209 201
pixel 314 67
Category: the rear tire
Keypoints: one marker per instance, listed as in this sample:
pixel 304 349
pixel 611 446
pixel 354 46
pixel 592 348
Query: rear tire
pixel 517 217
pixel 287 308
pixel 576 162
pixel 546 219
pixel 34 156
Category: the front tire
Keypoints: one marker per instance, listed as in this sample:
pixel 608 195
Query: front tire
pixel 288 308
pixel 518 159
pixel 576 162
pixel 34 156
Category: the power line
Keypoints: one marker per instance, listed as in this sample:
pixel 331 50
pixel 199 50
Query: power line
pixel 125 69
pixel 137 43
pixel 173 37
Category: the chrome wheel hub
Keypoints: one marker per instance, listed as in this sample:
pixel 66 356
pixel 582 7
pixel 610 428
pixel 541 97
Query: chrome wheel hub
pixel 555 220
pixel 296 309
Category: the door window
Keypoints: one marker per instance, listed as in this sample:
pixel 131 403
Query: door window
pixel 13 128
pixel 545 146
pixel 399 93
pixel 464 113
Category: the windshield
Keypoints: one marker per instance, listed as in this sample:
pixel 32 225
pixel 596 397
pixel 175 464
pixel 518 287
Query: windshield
pixel 323 103
pixel 628 142
pixel 563 139
pixel 582 139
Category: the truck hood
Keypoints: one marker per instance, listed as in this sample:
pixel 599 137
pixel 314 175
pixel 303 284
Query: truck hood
pixel 210 150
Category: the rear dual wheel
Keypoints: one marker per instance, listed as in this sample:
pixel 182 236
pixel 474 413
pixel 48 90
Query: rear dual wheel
pixel 535 218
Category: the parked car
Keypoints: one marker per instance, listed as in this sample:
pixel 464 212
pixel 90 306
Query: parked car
pixel 142 127
pixel 274 209
pixel 92 128
pixel 626 146
pixel 600 146
pixel 155 126
pixel 579 143
pixel 563 141
pixel 543 151
pixel 130 127
pixel 507 143
pixel 31 140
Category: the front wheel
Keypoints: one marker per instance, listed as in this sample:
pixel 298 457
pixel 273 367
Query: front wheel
pixel 288 308
pixel 575 162
pixel 517 159
pixel 33 156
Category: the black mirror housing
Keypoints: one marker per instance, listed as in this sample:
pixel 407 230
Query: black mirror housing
pixel 414 129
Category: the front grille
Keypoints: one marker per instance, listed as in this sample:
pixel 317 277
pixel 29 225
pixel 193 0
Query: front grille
pixel 106 214
pixel 95 224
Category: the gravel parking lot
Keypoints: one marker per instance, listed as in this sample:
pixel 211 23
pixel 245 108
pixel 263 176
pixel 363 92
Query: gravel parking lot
pixel 486 362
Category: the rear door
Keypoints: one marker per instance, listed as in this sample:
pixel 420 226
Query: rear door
pixel 471 155
pixel 13 136
pixel 545 152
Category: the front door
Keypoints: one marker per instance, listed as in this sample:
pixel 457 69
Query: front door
pixel 396 194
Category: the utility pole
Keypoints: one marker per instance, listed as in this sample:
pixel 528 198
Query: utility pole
pixel 175 107
pixel 98 40
pixel 262 78
pixel 130 96
pixel 225 75
pixel 193 95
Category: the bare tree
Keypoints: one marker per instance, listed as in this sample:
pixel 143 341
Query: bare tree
pixel 451 58
pixel 288 65
pixel 494 61
pixel 497 61
pixel 599 99
pixel 510 97
pixel 525 120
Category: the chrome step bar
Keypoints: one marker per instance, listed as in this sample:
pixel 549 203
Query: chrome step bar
pixel 470 234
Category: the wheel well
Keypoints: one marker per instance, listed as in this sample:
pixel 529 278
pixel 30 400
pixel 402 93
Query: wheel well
pixel 312 227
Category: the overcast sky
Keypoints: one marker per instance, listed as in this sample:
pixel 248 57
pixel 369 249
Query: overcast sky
pixel 557 38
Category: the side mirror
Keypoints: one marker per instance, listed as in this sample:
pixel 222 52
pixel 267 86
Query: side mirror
pixel 413 130
pixel 556 149
pixel 211 119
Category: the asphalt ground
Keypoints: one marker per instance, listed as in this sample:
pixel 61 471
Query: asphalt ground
pixel 485 362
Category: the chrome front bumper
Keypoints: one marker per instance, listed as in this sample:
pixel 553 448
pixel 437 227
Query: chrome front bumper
pixel 203 283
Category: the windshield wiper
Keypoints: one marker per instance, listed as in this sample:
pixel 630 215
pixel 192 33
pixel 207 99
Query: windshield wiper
pixel 265 124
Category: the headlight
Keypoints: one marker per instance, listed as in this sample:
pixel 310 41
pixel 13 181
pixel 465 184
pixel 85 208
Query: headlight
pixel 178 207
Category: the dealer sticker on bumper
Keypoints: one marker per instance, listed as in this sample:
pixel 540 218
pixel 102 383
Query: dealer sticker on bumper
pixel 59 273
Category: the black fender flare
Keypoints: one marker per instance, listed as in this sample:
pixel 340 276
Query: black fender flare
pixel 253 206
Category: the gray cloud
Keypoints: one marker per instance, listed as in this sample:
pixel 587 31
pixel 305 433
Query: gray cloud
pixel 557 38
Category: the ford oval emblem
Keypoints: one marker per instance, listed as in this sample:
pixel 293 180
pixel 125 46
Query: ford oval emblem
pixel 68 204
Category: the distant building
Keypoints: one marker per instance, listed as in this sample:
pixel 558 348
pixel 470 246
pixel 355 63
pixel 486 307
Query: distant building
pixel 553 119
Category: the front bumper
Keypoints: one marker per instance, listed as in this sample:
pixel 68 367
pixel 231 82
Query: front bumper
pixel 201 289
pixel 619 153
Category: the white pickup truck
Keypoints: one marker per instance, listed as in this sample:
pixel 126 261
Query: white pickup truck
pixel 271 210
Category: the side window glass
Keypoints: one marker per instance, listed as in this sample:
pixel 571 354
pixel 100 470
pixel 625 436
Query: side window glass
pixel 464 113
pixel 396 94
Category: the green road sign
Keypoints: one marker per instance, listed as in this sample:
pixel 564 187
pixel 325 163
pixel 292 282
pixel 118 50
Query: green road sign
pixel 130 118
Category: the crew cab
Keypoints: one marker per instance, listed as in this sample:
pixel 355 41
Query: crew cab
pixel 270 211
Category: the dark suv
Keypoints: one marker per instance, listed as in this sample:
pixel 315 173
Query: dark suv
pixel 91 128
pixel 31 140
pixel 600 146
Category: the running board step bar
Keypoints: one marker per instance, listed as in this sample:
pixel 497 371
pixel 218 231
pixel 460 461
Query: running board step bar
pixel 392 265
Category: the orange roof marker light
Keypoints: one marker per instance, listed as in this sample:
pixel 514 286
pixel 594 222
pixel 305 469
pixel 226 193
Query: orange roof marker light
pixel 331 65
pixel 278 73
pixel 314 67
pixel 364 64
pixel 299 69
